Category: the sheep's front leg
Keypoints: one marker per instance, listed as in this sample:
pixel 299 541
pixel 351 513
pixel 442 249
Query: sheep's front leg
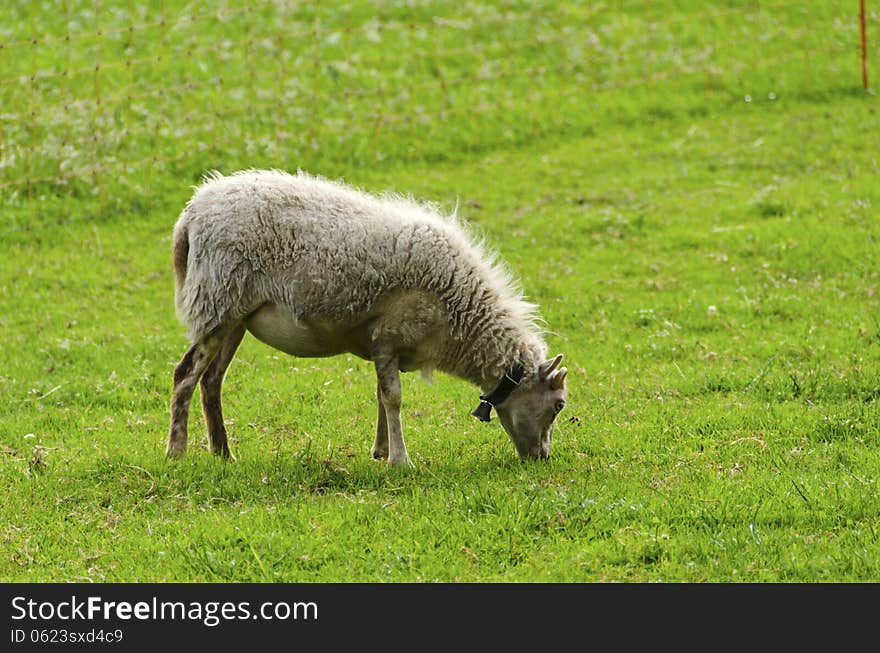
pixel 380 444
pixel 390 396
pixel 186 375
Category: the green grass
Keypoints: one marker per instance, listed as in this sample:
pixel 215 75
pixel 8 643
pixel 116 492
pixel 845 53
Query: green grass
pixel 708 266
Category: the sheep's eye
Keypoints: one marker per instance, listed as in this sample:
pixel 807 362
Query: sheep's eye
pixel 560 405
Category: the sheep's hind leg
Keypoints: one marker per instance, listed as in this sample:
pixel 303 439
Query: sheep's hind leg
pixel 186 375
pixel 390 393
pixel 211 385
pixel 380 444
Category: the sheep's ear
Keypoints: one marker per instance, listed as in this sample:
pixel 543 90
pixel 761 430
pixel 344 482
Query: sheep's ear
pixel 548 366
pixel 557 381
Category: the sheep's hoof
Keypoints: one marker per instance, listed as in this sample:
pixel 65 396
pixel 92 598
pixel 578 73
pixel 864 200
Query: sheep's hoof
pixel 401 463
pixel 174 453
pixel 379 454
pixel 223 452
pixel 176 442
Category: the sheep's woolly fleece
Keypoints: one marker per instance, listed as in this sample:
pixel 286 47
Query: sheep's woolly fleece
pixel 330 251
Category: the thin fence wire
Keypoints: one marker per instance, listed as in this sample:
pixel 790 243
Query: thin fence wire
pixel 111 101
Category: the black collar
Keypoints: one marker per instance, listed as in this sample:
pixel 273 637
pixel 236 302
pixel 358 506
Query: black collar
pixel 508 384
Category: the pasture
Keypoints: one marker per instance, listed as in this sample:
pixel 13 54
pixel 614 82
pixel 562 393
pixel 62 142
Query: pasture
pixel 689 194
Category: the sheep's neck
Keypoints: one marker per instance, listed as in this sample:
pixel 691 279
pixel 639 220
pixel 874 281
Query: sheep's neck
pixel 483 357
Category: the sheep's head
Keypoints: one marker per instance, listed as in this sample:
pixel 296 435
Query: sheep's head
pixel 530 411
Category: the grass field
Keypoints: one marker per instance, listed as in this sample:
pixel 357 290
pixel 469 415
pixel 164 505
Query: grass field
pixel 706 261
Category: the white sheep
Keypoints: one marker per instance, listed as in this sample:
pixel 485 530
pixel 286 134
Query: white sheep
pixel 316 268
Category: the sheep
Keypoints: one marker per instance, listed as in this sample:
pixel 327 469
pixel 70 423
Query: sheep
pixel 315 268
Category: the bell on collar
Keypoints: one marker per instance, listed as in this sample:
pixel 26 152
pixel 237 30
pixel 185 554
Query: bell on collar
pixel 483 411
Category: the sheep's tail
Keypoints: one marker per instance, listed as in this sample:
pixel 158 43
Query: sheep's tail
pixel 180 253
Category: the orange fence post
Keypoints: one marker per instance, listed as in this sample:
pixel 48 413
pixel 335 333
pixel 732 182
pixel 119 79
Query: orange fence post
pixel 864 44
